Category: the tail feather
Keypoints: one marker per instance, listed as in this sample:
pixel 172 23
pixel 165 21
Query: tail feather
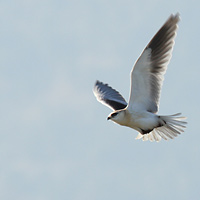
pixel 165 131
pixel 175 127
pixel 172 128
pixel 162 135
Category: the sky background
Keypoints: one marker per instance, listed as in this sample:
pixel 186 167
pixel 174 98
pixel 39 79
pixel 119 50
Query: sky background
pixel 55 141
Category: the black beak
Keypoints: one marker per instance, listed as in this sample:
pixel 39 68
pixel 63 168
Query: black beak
pixel 108 118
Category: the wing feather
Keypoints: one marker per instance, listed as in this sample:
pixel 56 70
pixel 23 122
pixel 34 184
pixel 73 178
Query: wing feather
pixel 148 72
pixel 109 96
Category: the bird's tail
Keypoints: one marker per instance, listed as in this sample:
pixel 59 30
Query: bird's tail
pixel 173 126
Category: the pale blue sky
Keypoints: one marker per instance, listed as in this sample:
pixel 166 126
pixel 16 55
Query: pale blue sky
pixel 55 140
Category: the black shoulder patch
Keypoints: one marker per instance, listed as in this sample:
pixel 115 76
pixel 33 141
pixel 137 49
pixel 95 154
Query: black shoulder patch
pixel 116 105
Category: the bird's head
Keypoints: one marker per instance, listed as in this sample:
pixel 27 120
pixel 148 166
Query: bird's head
pixel 117 116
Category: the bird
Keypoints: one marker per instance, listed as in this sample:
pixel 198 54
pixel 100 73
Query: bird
pixel 146 76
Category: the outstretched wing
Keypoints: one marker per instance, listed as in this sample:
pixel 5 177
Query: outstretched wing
pixel 108 96
pixel 148 73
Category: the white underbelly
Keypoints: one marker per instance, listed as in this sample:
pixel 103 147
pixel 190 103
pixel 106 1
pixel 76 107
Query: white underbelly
pixel 142 120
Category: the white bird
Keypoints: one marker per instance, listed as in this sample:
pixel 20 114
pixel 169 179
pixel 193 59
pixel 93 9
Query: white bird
pixel 146 81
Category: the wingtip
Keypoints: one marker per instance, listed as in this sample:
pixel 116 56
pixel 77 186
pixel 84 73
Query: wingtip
pixel 97 82
pixel 175 17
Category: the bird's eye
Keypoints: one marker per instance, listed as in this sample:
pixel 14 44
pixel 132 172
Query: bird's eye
pixel 114 114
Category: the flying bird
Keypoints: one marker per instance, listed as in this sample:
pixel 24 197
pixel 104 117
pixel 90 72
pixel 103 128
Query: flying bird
pixel 147 77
